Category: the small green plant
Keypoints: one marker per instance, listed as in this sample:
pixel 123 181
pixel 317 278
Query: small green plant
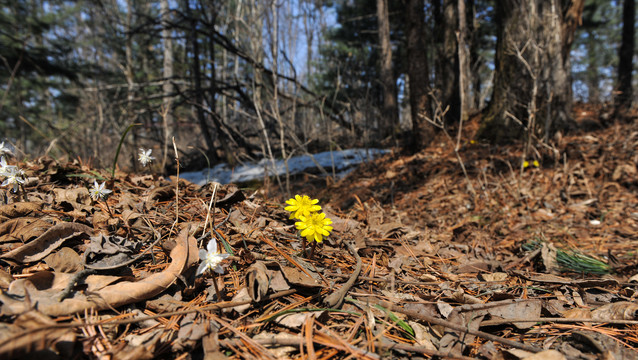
pixel 119 147
pixel 573 260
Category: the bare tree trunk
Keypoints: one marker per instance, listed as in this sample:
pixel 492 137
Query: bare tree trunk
pixel 422 131
pixel 449 75
pixel 532 60
pixel 475 59
pixel 167 87
pixel 464 65
pixel 199 98
pixel 626 53
pixel 130 80
pixel 274 53
pixel 390 110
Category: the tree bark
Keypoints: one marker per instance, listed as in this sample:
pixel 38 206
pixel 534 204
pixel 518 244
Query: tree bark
pixel 390 110
pixel 197 80
pixel 130 79
pixel 626 52
pixel 464 65
pixel 475 59
pixel 167 86
pixel 532 81
pixel 449 58
pixel 422 131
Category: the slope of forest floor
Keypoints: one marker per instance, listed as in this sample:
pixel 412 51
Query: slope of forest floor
pixel 503 261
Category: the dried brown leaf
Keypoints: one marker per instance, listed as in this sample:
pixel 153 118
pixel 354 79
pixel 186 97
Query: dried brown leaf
pixel 5 279
pixel 257 281
pixel 183 256
pixel 19 209
pixel 546 355
pixel 622 310
pixel 65 260
pixel 21 230
pixel 39 248
pixel 24 342
pixel 73 196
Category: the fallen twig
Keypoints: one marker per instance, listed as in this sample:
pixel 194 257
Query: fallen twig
pixel 458 327
pixel 336 298
pixel 138 319
pixel 76 278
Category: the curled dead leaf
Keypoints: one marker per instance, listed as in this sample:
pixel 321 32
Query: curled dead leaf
pixel 183 256
pixel 18 231
pixel 257 280
pixel 42 246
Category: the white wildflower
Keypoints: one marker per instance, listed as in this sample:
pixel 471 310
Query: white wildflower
pixel 98 191
pixel 145 156
pixel 5 168
pixel 211 258
pixel 15 177
pixel 4 149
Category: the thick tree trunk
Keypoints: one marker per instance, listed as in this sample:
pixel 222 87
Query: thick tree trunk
pixel 422 131
pixel 532 82
pixel 475 59
pixel 625 67
pixel 463 56
pixel 449 57
pixel 390 110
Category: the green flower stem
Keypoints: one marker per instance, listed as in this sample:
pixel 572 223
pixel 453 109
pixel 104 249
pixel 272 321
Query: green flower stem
pixel 119 147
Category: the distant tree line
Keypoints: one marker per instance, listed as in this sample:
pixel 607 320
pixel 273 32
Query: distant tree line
pixel 244 79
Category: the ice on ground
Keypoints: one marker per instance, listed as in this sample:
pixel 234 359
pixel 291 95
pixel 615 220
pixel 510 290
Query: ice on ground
pixel 344 161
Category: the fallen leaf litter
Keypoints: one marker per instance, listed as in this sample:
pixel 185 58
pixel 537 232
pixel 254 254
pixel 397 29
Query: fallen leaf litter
pixel 415 264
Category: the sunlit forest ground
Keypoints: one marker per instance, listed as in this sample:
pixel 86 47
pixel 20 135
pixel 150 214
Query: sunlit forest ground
pixel 521 254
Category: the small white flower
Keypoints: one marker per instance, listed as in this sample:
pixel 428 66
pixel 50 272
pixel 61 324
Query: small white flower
pixel 211 258
pixel 15 177
pixel 4 149
pixel 145 157
pixel 5 168
pixel 98 191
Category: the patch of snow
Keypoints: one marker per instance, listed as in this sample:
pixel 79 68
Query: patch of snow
pixel 344 162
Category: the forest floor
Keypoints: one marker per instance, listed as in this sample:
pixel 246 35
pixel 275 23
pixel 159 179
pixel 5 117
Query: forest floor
pixel 501 262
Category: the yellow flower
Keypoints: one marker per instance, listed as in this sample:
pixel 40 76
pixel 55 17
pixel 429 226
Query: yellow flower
pixel 302 206
pixel 314 227
pixel 535 163
pixel 525 164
